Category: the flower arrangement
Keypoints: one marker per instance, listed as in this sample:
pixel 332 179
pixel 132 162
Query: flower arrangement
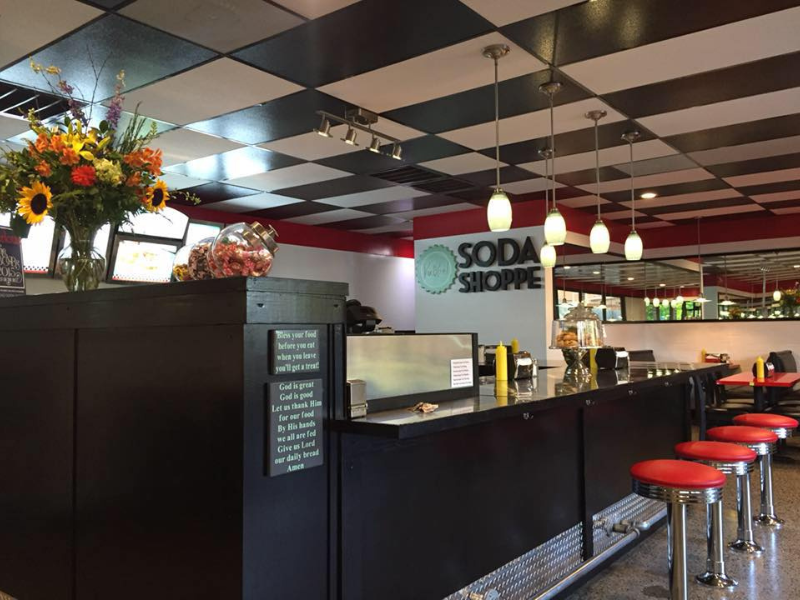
pixel 84 174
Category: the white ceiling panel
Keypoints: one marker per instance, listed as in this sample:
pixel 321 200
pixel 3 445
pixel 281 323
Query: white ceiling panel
pixel 776 197
pixel 712 212
pixel 567 117
pixel 424 212
pixel 461 163
pixel 176 181
pixel 582 201
pixel 685 198
pixel 503 12
pixel 311 9
pixel 528 186
pixel 740 42
pixel 288 177
pixel 11 126
pixel 622 215
pixel 759 178
pixel 182 145
pixel 728 154
pixel 399 192
pixel 790 210
pixel 608 157
pixel 654 225
pixel 730 112
pixel 331 216
pixel 647 181
pixel 447 71
pixel 254 202
pixel 210 90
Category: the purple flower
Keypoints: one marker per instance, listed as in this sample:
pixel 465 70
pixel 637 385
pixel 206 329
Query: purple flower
pixel 77 111
pixel 114 112
pixel 65 87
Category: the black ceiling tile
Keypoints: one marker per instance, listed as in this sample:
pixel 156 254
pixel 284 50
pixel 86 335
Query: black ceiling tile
pixel 284 117
pixel 708 221
pixel 781 204
pixel 298 209
pixel 366 222
pixel 756 165
pixel 362 37
pixel 734 135
pixel 477 195
pixel 429 147
pixel 770 188
pixel 18 100
pixel 107 4
pixel 341 186
pixel 241 162
pixel 217 192
pixel 507 175
pixel 445 185
pixel 674 189
pixel 518 96
pixel 146 55
pixel 407 204
pixel 664 211
pixel 408 175
pixel 587 176
pixel 570 142
pixel 591 29
pixel 761 76
pixel 362 162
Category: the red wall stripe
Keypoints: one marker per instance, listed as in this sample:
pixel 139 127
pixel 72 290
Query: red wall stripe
pixel 312 236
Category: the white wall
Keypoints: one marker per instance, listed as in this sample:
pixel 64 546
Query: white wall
pixel 684 341
pixel 494 316
pixel 384 282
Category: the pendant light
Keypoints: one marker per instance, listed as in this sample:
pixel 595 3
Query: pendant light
pixel 602 304
pixel 656 299
pixel 555 228
pixel 547 256
pixel 679 297
pixel 498 212
pixel 701 298
pixel 564 303
pixel 633 244
pixel 777 294
pixel 727 301
pixel 599 238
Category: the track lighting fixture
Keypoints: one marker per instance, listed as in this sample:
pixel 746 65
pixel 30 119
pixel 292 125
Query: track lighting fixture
pixel 358 119
pixel 375 145
pixel 397 151
pixel 324 128
pixel 350 137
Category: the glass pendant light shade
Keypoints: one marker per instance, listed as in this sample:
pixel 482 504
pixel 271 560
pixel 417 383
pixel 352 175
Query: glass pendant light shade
pixel 656 301
pixel 555 228
pixel 777 295
pixel 633 246
pixel 679 299
pixel 548 256
pixel 499 211
pixel 646 300
pixel 702 299
pixel 673 303
pixel 599 238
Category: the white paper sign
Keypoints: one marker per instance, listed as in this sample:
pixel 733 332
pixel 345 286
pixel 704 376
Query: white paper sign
pixel 461 372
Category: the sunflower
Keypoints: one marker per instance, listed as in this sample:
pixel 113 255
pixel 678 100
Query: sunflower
pixel 35 202
pixel 156 197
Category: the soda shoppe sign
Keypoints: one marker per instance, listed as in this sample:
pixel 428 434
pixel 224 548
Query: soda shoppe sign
pixel 485 266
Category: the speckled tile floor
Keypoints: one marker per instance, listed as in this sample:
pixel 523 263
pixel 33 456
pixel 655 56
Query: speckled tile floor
pixel 642 573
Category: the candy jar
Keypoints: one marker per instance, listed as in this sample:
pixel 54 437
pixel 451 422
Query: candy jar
pixel 243 250
pixel 180 266
pixel 578 331
pixel 197 263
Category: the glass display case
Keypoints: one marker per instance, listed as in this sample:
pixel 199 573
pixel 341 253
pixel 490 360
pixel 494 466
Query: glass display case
pixel 579 330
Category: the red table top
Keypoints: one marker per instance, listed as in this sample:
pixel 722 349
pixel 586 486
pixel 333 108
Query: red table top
pixel 786 380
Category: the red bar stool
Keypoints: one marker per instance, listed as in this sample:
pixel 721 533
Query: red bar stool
pixel 678 483
pixel 783 427
pixel 762 442
pixel 730 459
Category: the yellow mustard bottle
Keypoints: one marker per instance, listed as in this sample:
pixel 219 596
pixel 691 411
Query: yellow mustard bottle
pixel 501 363
pixel 760 369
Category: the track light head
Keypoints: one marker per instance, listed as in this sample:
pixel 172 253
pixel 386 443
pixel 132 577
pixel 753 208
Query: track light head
pixel 375 145
pixel 350 137
pixel 397 151
pixel 324 128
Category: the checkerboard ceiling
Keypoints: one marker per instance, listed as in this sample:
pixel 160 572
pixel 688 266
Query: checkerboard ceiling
pixel 234 85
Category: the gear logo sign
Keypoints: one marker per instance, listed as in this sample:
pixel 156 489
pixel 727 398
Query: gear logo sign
pixel 436 269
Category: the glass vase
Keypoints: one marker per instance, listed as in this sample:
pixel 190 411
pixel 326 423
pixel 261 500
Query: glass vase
pixel 81 267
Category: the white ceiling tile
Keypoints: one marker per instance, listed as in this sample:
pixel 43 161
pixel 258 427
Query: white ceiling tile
pixel 311 9
pixel 786 211
pixel 777 196
pixel 447 71
pixel 712 212
pixel 331 216
pixel 182 145
pixel 222 25
pixel 658 179
pixel 759 178
pixel 567 117
pixel 11 126
pixel 608 157
pixel 526 186
pixel 207 91
pixel 437 210
pixel 288 177
pixel 582 201
pixel 176 181
pixel 27 25
pixel 730 112
pixel 254 202
pixel 503 12
pixel 777 147
pixel 654 225
pixel 716 48
pixel 462 163
pixel 312 146
pixel 684 198
pixel 388 194
pixel 653 166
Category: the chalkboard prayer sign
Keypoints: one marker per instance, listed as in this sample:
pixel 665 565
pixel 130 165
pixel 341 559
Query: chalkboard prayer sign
pixel 295 426
pixel 295 351
pixel 12 279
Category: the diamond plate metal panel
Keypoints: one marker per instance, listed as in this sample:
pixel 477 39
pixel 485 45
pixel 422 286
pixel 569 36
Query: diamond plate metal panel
pixel 532 572
pixel 630 508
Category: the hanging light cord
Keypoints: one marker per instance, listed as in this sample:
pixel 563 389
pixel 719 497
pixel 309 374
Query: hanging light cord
pixel 633 195
pixel 496 124
pixel 553 150
pixel 597 165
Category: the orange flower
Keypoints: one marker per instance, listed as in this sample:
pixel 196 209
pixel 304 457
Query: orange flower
pixel 134 159
pixel 57 143
pixel 69 157
pixel 43 169
pixel 153 158
pixel 134 180
pixel 42 143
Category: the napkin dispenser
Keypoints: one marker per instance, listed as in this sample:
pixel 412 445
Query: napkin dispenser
pixel 611 358
pixel 525 367
pixel 356 398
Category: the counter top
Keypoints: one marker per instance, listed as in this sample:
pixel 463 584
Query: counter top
pixel 549 390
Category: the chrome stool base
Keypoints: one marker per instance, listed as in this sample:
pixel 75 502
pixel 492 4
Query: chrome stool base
pixel 716 580
pixel 744 547
pixel 768 521
pixel 744 533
